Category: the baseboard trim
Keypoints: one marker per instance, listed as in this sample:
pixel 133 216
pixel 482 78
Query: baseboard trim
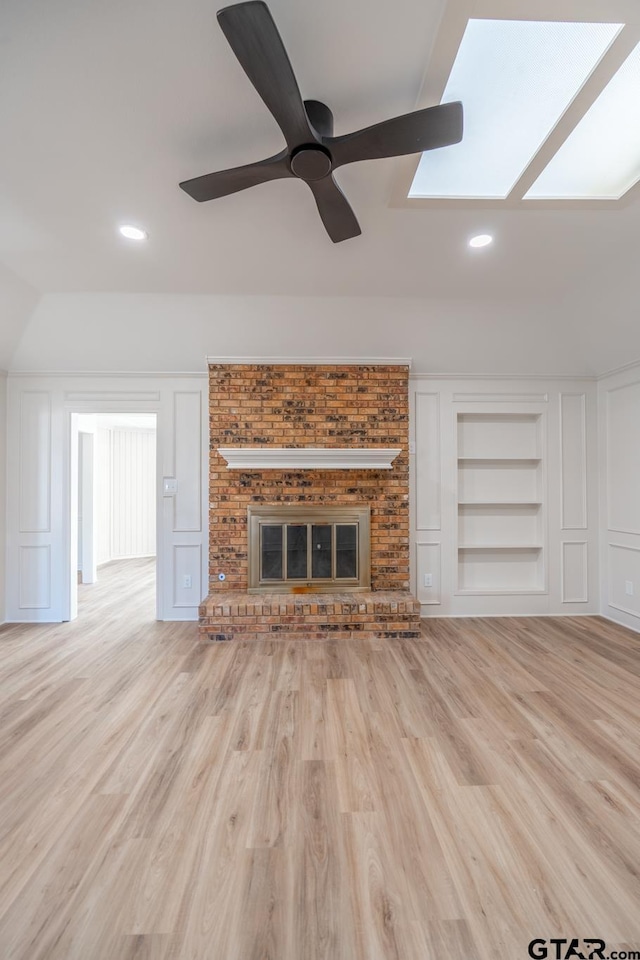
pixel 619 623
pixel 507 616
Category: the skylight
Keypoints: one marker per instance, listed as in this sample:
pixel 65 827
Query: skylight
pixel 515 79
pixel 601 158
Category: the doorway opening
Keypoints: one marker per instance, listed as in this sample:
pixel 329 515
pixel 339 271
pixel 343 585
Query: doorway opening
pixel 113 533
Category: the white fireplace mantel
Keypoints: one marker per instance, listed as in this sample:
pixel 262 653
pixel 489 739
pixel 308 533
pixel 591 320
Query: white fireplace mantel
pixel 309 458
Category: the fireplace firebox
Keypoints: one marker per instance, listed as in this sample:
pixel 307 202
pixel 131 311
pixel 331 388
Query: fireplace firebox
pixel 304 549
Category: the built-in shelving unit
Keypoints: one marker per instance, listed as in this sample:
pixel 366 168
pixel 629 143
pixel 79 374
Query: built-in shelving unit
pixel 500 504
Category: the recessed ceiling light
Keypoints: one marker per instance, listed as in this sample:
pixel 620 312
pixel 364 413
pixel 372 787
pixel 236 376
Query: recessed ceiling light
pixel 515 78
pixel 482 240
pixel 133 233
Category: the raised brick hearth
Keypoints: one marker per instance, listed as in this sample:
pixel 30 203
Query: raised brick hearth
pixel 301 405
pixel 270 616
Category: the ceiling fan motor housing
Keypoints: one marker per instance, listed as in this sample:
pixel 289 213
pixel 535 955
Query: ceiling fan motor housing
pixel 311 162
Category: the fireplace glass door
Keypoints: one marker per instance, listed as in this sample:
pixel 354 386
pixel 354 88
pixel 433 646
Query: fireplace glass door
pixel 301 549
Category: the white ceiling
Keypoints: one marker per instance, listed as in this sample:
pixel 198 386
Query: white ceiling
pixel 105 107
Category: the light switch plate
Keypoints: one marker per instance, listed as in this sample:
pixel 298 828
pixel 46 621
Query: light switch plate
pixel 169 486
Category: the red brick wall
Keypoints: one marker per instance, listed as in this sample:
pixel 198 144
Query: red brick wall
pixel 309 406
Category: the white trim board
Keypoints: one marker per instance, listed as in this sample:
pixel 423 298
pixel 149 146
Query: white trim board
pixel 313 361
pixel 110 374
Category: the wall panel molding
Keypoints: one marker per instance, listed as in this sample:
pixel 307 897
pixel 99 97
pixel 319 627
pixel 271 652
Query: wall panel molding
pixel 187 461
pixel 622 459
pixel 428 559
pixel 35 462
pixel 187 562
pixel 500 398
pixel 428 467
pixel 633 571
pixel 574 571
pixel 35 577
pixel 573 461
pixel 112 396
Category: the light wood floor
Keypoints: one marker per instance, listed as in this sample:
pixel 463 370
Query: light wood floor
pixel 448 798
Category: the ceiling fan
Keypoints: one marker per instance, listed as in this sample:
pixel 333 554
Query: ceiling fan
pixel 312 152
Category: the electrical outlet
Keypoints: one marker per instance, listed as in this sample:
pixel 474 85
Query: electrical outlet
pixel 628 588
pixel 428 580
pixel 186 581
pixel 412 446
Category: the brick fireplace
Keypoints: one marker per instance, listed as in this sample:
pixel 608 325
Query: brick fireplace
pixel 301 406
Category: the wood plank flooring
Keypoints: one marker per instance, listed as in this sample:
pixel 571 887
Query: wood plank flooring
pixel 447 798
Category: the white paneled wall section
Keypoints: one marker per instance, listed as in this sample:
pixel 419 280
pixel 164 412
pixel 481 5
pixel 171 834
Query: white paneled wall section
pixel 3 489
pixel 40 483
pixel 504 503
pixel 619 422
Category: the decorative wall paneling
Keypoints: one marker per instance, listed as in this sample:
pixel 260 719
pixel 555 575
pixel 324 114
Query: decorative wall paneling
pixel 188 510
pixel 505 467
pixel 41 483
pixel 622 412
pixel 624 569
pixel 35 577
pixel 428 462
pixel 575 571
pixel 3 491
pixel 35 525
pixel 573 461
pixel 428 563
pixel 619 441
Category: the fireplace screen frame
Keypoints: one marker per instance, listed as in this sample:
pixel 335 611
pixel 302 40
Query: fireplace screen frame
pixel 279 514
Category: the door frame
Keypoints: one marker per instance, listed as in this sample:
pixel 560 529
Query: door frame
pixel 70 480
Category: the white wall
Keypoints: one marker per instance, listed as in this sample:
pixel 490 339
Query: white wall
pixel 40 486
pixel 619 423
pixel 39 410
pixel 17 300
pixel 125 514
pixel 3 491
pixel 566 574
pixel 173 332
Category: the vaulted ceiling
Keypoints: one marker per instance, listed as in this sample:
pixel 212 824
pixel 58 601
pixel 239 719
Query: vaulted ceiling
pixel 105 107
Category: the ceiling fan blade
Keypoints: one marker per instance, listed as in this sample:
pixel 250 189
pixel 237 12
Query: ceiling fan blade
pixel 254 38
pixel 221 184
pixel 336 214
pixel 414 132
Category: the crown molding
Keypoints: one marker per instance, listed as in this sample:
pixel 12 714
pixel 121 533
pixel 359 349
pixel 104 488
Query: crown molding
pixel 632 365
pixel 500 376
pixel 112 374
pixel 309 458
pixel 313 361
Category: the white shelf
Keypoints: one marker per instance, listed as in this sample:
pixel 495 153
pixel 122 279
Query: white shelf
pixel 500 515
pixel 501 436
